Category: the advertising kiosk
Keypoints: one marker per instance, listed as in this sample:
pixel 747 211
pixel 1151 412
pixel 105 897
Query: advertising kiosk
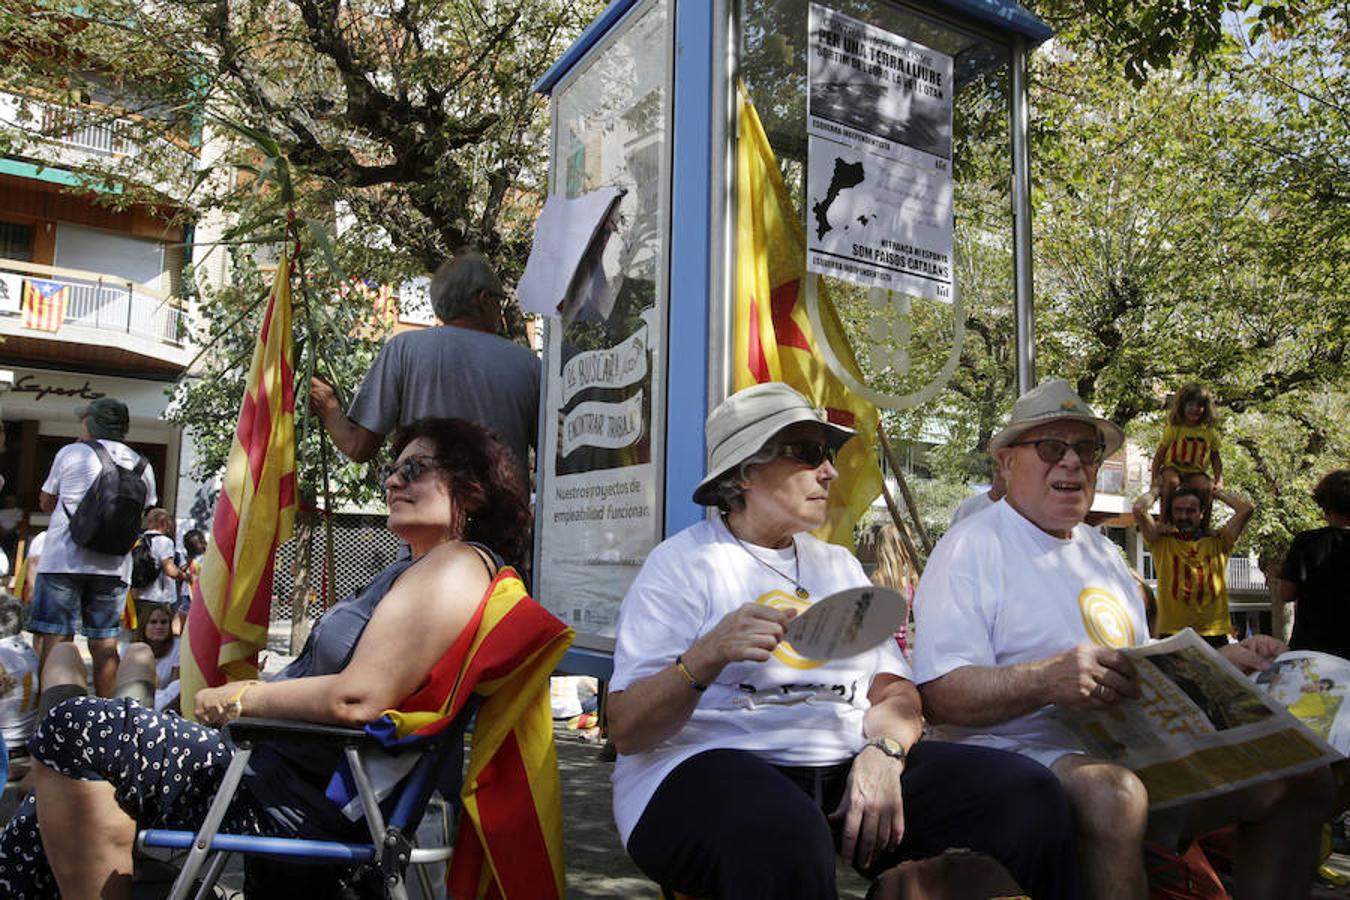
pixel 857 102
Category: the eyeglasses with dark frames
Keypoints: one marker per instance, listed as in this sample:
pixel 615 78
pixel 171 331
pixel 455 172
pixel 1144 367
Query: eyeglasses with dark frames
pixel 1052 450
pixel 408 471
pixel 808 453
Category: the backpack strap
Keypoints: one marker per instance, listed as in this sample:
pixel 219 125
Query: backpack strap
pixel 104 457
pixel 105 461
pixel 108 462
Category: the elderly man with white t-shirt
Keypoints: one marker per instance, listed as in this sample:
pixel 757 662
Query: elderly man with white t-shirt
pixel 1024 608
pixel 77 586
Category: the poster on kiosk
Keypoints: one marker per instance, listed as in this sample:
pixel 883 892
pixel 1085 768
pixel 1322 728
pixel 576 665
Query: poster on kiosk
pixel 600 510
pixel 879 151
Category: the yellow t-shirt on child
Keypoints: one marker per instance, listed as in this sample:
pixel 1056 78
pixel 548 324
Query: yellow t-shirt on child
pixel 1187 448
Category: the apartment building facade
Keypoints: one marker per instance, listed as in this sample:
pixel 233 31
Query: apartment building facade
pixel 90 290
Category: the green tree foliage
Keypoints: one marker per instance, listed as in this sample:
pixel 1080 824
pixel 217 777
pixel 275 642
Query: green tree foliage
pixel 403 130
pixel 1189 228
pixel 416 120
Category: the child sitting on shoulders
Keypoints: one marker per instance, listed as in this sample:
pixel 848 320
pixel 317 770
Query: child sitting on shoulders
pixel 1189 451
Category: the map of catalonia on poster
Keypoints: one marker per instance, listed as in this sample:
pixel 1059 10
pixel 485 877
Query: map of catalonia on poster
pixel 879 153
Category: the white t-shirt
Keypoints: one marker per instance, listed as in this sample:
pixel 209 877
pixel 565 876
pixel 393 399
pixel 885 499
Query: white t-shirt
pixel 970 506
pixel 35 545
pixel 163 589
pixel 999 591
pixel 789 710
pixel 18 690
pixel 73 472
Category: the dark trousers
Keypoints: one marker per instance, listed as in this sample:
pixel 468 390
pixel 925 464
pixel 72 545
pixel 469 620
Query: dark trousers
pixel 727 824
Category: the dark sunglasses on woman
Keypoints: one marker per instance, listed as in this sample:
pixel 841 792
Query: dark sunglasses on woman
pixel 810 453
pixel 409 470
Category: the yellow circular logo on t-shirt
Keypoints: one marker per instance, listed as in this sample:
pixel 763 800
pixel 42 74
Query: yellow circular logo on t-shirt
pixel 784 652
pixel 1106 618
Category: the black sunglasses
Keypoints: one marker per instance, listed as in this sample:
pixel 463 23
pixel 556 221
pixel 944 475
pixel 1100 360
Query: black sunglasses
pixel 408 471
pixel 1052 450
pixel 810 453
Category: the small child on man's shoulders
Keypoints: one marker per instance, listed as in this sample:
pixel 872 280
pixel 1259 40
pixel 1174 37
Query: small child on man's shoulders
pixel 1188 453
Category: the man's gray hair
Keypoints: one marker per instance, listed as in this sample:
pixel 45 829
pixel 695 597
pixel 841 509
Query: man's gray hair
pixel 457 283
pixel 728 492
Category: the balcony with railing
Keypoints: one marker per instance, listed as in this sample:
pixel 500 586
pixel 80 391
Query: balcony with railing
pixel 105 138
pixel 80 137
pixel 135 323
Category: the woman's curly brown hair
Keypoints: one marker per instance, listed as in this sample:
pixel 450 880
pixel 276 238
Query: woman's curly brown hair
pixel 488 502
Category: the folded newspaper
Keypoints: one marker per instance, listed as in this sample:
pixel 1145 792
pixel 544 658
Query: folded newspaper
pixel 1200 728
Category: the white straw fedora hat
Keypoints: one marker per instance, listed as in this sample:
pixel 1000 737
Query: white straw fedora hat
pixel 1054 401
pixel 744 422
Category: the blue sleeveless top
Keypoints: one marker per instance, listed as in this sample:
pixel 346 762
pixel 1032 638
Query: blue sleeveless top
pixel 288 782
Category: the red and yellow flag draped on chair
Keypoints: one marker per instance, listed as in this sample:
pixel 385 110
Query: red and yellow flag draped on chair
pixel 509 843
pixel 255 512
pixel 774 340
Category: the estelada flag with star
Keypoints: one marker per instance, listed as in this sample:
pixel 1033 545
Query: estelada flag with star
pixel 44 304
pixel 774 340
pixel 255 512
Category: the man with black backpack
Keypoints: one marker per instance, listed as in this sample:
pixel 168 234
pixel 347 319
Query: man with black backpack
pixel 97 492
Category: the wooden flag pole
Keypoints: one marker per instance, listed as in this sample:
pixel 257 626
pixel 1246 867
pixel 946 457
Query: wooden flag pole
pixel 901 528
pixel 904 489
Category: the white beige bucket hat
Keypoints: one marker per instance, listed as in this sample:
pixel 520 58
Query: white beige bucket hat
pixel 743 423
pixel 1054 401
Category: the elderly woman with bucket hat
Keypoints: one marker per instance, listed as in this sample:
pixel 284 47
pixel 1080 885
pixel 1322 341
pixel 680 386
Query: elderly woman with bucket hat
pixel 1024 608
pixel 742 765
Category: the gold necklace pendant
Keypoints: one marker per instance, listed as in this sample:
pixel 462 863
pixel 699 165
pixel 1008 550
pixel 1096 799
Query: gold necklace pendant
pixel 802 593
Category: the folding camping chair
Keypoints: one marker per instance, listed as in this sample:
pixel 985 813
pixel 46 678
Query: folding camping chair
pixel 390 850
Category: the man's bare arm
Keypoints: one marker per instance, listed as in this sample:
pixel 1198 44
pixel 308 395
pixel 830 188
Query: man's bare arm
pixel 46 501
pixel 357 442
pixel 1148 526
pixel 1082 677
pixel 1242 512
pixel 1282 610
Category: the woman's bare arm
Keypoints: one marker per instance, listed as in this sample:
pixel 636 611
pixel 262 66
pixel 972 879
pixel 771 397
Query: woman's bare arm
pixel 411 629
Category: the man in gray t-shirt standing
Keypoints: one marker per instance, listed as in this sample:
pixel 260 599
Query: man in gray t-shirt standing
pixel 460 369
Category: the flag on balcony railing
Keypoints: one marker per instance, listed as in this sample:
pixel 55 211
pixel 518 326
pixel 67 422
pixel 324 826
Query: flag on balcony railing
pixel 255 512
pixel 774 340
pixel 44 304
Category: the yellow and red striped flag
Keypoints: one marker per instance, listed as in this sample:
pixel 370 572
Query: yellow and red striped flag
pixel 44 304
pixel 510 836
pixel 255 512
pixel 774 340
pixel 385 302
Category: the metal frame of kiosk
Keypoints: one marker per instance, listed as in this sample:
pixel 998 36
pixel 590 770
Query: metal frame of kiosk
pixel 644 100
